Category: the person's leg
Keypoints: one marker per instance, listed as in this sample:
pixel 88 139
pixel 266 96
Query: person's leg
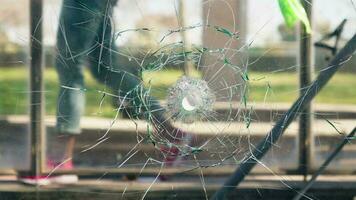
pixel 123 80
pixel 78 23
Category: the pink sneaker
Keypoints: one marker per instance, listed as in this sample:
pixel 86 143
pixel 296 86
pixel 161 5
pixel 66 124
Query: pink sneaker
pixel 65 165
pixel 52 179
pixel 172 155
pixel 47 180
pixel 34 180
pixel 65 178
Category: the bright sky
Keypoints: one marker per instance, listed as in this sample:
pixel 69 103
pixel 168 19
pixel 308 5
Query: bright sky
pixel 263 17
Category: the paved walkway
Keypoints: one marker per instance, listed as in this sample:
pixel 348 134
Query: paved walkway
pixel 320 126
pixel 254 187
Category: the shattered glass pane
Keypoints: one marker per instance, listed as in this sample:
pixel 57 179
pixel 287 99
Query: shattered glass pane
pixel 158 91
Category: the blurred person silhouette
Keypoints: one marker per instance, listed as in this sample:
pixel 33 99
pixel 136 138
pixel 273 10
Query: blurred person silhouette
pixel 86 37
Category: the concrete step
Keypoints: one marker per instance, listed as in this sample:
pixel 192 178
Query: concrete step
pixel 103 125
pixel 182 188
pixel 122 147
pixel 272 111
pixel 269 112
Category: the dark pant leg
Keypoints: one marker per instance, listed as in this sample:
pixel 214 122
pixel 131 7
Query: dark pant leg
pixel 78 29
pixel 124 80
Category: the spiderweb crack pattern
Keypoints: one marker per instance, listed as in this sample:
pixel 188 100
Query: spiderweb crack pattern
pixel 191 100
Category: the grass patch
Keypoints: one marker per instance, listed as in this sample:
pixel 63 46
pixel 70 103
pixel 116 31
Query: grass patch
pixel 283 87
pixel 276 87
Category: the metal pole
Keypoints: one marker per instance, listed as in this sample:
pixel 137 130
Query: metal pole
pixel 325 164
pixel 282 124
pixel 181 13
pixel 306 63
pixel 36 86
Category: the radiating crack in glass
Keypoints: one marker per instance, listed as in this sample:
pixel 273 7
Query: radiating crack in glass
pixel 215 101
pixel 190 102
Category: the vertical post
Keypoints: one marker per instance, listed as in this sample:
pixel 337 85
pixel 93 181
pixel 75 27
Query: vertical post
pixel 306 64
pixel 181 13
pixel 36 86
